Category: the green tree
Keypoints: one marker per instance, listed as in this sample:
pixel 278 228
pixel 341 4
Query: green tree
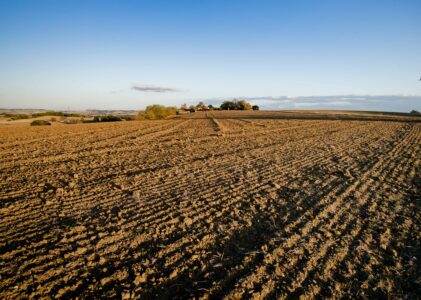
pixel 236 105
pixel 156 111
pixel 201 106
pixel 244 105
pixel 192 108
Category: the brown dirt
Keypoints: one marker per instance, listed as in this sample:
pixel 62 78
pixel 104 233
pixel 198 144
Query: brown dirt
pixel 211 207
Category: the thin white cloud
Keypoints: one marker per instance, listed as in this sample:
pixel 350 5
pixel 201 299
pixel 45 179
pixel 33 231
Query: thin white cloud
pixel 154 88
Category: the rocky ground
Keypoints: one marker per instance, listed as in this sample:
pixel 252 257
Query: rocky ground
pixel 211 207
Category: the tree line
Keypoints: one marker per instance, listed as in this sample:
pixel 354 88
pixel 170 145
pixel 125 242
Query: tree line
pixel 156 111
pixel 226 105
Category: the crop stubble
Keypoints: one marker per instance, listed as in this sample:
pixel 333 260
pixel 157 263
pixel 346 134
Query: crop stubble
pixel 211 208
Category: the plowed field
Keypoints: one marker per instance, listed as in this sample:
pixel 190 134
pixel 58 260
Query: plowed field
pixel 211 208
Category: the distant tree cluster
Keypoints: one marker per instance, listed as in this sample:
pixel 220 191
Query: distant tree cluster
pixel 415 112
pixel 56 113
pixel 201 106
pixel 42 114
pixel 226 105
pixel 107 119
pixel 237 105
pixel 16 116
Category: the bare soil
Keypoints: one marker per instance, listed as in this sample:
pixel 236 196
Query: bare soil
pixel 211 205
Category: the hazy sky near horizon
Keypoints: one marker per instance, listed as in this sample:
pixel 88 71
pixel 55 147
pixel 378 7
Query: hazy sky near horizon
pixel 280 54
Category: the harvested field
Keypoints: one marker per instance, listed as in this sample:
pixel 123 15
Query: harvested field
pixel 211 206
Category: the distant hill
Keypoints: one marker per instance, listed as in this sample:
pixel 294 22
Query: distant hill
pixel 90 112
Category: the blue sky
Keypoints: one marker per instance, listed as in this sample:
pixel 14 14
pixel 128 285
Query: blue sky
pixel 128 54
